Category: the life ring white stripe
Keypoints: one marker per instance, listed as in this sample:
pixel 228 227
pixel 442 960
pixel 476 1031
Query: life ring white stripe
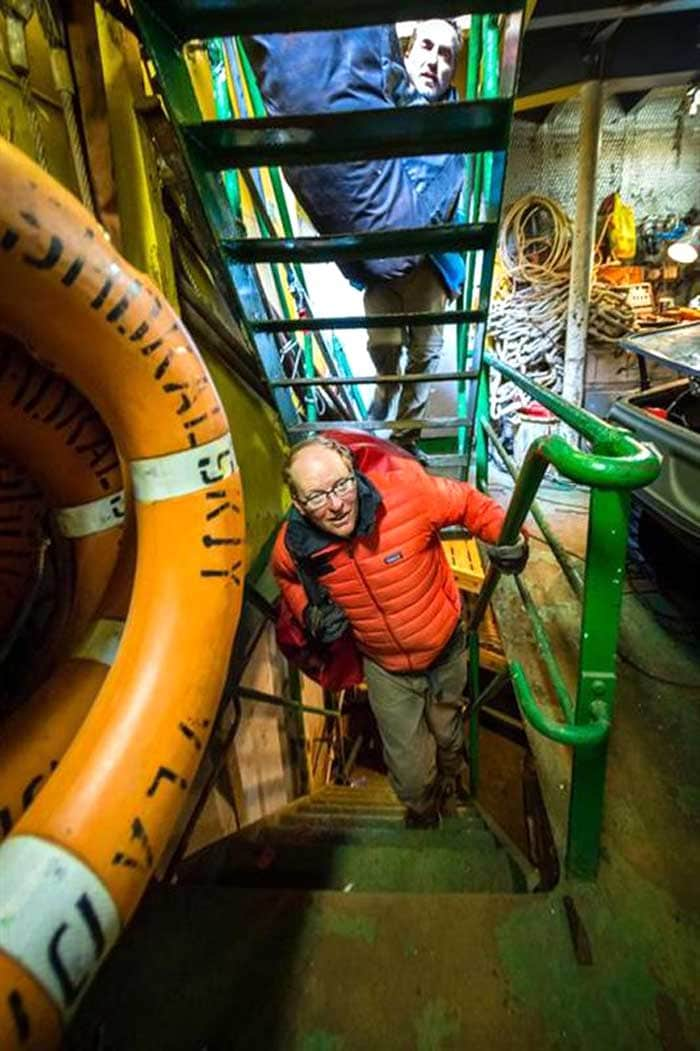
pixel 101 642
pixel 57 919
pixel 178 474
pixel 94 517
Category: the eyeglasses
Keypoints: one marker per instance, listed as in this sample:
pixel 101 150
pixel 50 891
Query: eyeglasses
pixel 318 499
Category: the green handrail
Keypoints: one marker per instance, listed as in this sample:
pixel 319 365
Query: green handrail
pixel 616 464
pixel 568 569
pixel 618 460
pixel 470 205
pixel 576 736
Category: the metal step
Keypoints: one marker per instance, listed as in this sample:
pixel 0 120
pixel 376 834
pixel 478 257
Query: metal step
pixel 344 247
pixel 324 324
pixel 329 807
pixel 437 422
pixel 202 19
pixel 407 377
pixel 305 833
pixel 440 460
pixel 354 135
pixel 476 863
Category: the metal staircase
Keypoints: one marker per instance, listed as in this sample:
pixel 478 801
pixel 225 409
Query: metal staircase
pixel 353 839
pixel 243 140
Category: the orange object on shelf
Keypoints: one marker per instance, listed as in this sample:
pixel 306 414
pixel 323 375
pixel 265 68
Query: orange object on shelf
pixel 614 274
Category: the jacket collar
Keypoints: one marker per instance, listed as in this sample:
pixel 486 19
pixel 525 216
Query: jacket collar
pixel 304 538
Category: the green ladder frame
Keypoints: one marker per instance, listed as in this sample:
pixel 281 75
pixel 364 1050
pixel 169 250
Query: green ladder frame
pixel 478 127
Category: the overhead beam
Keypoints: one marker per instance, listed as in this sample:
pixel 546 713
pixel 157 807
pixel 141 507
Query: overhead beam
pixel 607 14
pixel 641 47
pixel 615 86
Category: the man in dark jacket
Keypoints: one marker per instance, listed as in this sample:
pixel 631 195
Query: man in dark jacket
pixel 336 70
pixel 430 62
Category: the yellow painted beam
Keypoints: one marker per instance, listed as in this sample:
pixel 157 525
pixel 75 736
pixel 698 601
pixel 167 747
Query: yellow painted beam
pixel 548 98
pixel 145 231
pixel 529 8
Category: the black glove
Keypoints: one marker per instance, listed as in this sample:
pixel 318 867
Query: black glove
pixel 509 558
pixel 325 621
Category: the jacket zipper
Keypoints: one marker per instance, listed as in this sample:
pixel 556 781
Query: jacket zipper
pixel 379 609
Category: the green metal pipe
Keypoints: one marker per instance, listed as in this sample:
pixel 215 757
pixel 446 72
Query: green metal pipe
pixel 600 622
pixel 248 694
pixel 546 653
pixel 569 570
pixel 576 736
pixel 309 398
pixel 474 690
pixel 277 187
pixel 482 414
pixel 472 165
pixel 224 111
pixel 526 487
pixel 491 43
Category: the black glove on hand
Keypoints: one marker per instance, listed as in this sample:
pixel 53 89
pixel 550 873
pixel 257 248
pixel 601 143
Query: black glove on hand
pixel 509 558
pixel 325 622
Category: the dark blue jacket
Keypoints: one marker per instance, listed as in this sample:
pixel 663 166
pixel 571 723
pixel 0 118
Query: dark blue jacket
pixel 337 70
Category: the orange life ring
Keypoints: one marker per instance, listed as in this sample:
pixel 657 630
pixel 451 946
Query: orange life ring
pixel 77 862
pixel 50 430
pixel 36 736
pixel 22 507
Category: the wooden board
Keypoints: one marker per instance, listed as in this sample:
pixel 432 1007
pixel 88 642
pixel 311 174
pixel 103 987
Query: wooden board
pixel 465 562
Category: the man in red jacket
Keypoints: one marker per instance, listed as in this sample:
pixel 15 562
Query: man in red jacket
pixel 371 542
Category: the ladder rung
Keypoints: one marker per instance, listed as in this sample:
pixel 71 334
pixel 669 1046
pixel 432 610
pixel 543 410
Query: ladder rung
pixel 446 459
pixel 323 324
pixel 190 19
pixel 437 422
pixel 353 135
pixel 411 377
pixel 382 245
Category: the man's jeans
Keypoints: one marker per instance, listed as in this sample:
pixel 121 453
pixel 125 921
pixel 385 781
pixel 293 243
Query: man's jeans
pixel 421 290
pixel 420 721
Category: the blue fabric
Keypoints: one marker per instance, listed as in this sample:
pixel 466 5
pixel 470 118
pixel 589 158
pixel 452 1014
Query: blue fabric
pixel 350 69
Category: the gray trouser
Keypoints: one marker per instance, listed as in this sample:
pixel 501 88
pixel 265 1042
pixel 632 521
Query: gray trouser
pixel 419 290
pixel 420 721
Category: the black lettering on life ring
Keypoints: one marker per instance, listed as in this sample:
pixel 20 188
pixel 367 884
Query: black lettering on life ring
pixel 166 774
pixel 232 572
pixel 69 988
pixel 19 1016
pixel 9 240
pixel 30 791
pixel 190 735
pixel 5 821
pixel 48 261
pixel 73 272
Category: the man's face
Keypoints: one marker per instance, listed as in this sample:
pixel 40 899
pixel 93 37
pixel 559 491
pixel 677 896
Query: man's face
pixel 314 473
pixel 431 61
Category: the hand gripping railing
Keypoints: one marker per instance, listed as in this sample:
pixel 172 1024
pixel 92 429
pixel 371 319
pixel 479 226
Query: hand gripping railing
pixel 616 464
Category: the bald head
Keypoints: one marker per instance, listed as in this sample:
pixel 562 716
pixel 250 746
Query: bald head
pixel 322 482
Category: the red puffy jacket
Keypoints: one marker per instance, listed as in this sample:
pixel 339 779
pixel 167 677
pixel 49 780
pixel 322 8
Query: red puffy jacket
pixel 394 583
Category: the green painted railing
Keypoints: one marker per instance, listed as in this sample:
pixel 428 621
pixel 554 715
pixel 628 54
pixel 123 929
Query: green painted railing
pixel 616 464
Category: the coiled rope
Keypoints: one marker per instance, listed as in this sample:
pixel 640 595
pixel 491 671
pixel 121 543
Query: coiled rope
pixel 528 314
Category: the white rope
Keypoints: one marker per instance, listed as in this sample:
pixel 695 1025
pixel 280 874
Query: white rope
pixel 528 314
